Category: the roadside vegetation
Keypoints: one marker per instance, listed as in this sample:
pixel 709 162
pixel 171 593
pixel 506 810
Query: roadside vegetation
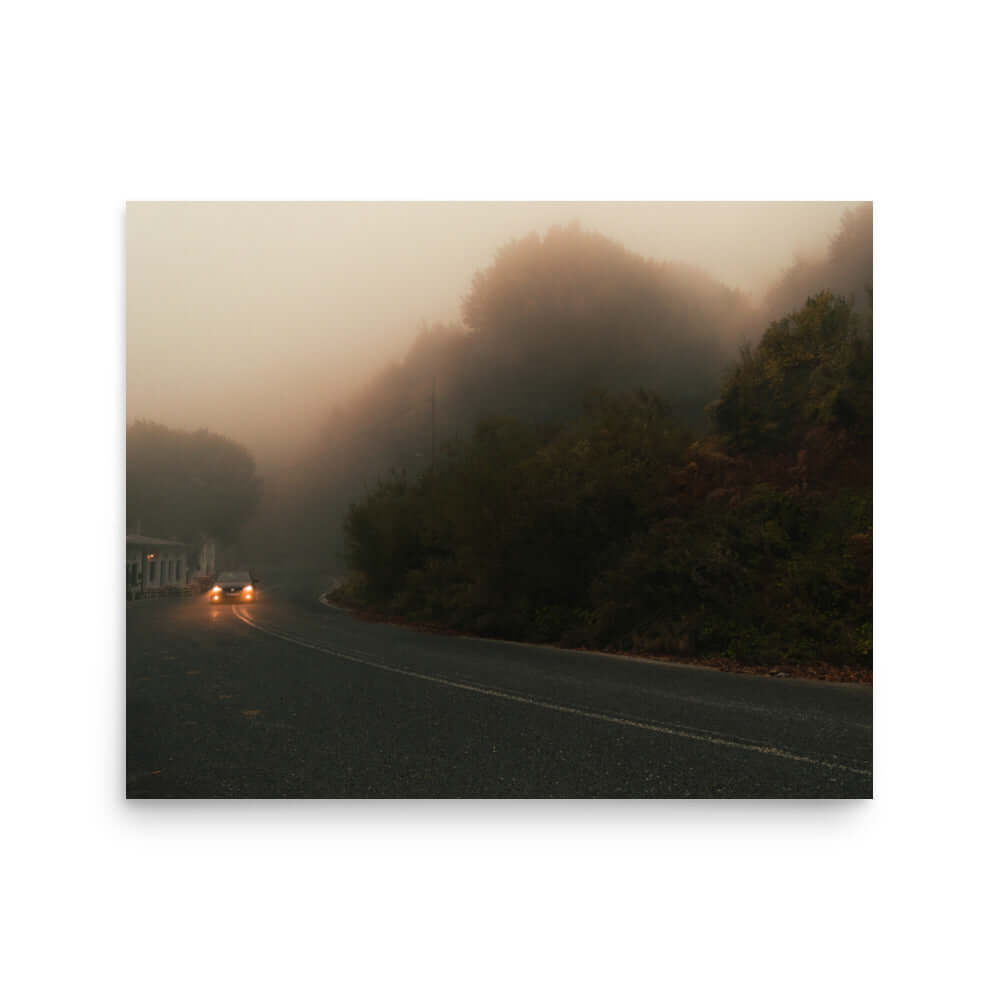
pixel 621 524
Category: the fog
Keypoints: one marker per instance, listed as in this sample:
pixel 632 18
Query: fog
pixel 260 320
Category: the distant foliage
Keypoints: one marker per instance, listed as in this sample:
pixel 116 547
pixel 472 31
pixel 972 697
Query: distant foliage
pixel 559 316
pixel 554 319
pixel 558 319
pixel 614 529
pixel 187 485
pixel 846 269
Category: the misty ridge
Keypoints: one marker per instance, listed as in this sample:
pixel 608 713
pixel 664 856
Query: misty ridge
pixel 556 318
pixel 608 452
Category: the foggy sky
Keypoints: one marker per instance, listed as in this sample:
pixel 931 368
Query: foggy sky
pixel 254 319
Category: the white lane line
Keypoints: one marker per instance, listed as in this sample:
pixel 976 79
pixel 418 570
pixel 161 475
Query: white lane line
pixel 710 702
pixel 701 736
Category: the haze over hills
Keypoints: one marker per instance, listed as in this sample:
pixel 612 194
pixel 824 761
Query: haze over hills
pixel 554 318
pixel 550 319
pixel 603 449
pixel 255 320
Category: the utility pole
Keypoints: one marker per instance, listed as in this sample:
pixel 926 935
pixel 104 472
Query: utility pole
pixel 433 419
pixel 432 526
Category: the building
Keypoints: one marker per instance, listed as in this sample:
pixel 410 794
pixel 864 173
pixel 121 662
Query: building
pixel 152 565
pixel 206 559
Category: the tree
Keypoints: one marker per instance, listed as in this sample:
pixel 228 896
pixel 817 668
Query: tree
pixel 845 268
pixel 811 369
pixel 562 315
pixel 187 484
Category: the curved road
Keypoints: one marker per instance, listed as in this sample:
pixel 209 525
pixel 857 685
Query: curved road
pixel 290 698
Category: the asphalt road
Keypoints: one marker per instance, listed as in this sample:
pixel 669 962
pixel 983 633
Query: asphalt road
pixel 290 698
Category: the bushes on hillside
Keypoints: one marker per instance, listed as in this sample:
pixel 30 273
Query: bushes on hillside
pixel 812 369
pixel 616 530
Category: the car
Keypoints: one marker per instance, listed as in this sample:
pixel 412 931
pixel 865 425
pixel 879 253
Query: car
pixel 234 585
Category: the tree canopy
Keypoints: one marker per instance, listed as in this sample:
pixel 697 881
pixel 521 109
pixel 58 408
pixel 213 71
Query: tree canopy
pixel 810 369
pixel 187 485
pixel 555 318
pixel 560 315
pixel 613 528
pixel 846 269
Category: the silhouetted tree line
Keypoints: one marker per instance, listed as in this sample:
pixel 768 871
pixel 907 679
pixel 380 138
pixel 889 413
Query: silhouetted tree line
pixel 553 320
pixel 615 528
pixel 845 268
pixel 187 485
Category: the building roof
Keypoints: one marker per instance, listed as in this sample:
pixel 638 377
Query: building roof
pixel 153 542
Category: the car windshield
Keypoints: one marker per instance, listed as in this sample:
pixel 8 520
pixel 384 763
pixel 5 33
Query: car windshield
pixel 234 576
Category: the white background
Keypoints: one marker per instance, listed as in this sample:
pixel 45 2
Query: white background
pixel 108 102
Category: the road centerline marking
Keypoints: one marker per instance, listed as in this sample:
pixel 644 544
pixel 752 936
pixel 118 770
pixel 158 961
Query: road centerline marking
pixel 702 736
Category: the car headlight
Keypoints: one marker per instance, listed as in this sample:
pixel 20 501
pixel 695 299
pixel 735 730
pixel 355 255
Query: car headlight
pixel 216 589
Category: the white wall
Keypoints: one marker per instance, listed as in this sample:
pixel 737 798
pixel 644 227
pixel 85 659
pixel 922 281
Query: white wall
pixel 168 569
